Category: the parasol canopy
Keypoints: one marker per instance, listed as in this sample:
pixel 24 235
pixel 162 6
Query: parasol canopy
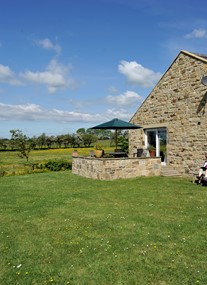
pixel 116 124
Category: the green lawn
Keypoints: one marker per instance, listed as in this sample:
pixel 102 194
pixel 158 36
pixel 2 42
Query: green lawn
pixel 58 228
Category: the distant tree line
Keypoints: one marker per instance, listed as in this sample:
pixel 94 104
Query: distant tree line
pixel 82 138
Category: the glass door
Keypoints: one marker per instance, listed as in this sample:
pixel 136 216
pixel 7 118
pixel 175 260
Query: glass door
pixel 162 144
pixel 151 142
pixel 156 141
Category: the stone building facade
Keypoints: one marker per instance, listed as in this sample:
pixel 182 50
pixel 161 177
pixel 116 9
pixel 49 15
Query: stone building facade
pixel 174 115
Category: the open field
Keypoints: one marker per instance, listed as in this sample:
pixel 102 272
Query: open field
pixel 11 163
pixel 11 157
pixel 58 228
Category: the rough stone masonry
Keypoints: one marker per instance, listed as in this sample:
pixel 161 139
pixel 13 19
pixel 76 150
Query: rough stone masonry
pixel 178 103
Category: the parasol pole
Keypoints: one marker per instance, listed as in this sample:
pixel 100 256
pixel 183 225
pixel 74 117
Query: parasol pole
pixel 116 138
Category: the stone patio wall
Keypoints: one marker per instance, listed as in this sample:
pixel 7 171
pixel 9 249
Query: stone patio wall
pixel 115 168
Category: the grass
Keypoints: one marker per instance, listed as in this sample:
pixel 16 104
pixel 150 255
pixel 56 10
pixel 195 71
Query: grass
pixel 58 228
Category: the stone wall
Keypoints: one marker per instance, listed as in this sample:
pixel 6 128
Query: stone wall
pixel 115 168
pixel 178 102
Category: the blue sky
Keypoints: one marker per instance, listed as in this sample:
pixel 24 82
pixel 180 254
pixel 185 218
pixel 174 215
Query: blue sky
pixel 70 64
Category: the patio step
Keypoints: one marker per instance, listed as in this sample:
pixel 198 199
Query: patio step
pixel 169 171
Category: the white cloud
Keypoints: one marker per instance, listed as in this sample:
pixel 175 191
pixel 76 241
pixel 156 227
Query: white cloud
pixel 128 99
pixel 36 113
pixel 116 113
pixel 196 33
pixel 33 112
pixel 137 74
pixel 8 76
pixel 47 44
pixel 55 77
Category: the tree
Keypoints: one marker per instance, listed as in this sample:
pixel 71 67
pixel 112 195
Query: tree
pixel 41 140
pixel 123 141
pixel 33 142
pixel 59 140
pixel 3 143
pixel 49 140
pixel 75 140
pixel 81 131
pixel 22 143
pixel 66 140
pixel 88 139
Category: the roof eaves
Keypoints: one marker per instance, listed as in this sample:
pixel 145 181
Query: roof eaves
pixel 196 55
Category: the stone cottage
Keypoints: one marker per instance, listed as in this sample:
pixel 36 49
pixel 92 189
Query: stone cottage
pixel 174 116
